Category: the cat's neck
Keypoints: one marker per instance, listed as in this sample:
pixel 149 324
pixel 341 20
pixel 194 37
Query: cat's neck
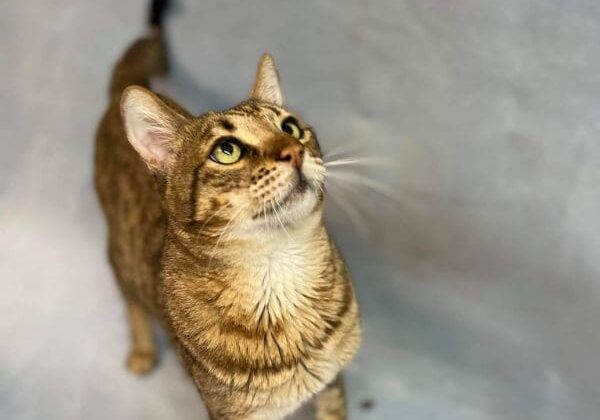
pixel 273 243
pixel 276 271
pixel 295 250
pixel 279 271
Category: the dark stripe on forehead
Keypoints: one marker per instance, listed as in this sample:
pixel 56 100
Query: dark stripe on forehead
pixel 251 107
pixel 226 124
pixel 238 113
pixel 272 108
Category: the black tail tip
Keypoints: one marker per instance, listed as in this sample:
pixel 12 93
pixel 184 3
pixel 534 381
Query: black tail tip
pixel 157 10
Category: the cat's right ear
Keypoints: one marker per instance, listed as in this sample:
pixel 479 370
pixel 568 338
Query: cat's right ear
pixel 151 126
pixel 266 83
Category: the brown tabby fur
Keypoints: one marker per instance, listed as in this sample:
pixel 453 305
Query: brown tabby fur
pixel 263 320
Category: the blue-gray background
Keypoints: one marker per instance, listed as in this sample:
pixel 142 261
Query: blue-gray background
pixel 479 286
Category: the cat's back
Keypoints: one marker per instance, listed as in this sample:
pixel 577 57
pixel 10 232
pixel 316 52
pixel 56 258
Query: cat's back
pixel 131 203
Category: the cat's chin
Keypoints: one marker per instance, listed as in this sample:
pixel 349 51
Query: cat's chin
pixel 300 204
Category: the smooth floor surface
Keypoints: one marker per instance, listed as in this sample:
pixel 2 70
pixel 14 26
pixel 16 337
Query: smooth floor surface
pixel 474 241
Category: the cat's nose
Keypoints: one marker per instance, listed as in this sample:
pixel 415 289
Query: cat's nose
pixel 293 153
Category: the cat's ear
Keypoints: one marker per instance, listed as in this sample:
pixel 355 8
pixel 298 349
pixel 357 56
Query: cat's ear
pixel 151 126
pixel 266 84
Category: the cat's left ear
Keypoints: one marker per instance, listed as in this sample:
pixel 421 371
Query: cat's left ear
pixel 266 84
pixel 151 126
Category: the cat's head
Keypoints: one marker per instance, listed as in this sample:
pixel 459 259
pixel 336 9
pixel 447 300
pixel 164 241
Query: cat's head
pixel 254 167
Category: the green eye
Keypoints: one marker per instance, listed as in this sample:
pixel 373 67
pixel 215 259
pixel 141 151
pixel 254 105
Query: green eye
pixel 228 151
pixel 291 127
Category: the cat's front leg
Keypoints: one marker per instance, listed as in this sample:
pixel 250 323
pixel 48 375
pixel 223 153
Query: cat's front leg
pixel 330 403
pixel 142 356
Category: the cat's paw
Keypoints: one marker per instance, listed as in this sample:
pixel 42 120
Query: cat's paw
pixel 141 362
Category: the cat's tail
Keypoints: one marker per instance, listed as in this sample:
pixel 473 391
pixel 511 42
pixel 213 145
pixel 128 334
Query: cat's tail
pixel 157 11
pixel 145 58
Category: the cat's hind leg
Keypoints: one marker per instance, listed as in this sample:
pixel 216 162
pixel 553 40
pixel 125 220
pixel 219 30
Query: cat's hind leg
pixel 330 403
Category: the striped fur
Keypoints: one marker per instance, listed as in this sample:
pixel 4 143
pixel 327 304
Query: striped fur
pixel 255 296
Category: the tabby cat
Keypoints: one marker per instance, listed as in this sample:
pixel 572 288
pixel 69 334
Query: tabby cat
pixel 215 229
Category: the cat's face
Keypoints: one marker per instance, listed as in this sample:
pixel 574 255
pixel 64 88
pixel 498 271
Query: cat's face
pixel 255 167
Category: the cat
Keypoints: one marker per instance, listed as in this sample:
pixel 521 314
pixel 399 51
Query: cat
pixel 215 228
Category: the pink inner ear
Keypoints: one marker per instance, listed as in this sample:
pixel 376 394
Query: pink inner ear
pixel 156 147
pixel 150 141
pixel 150 126
pixel 159 150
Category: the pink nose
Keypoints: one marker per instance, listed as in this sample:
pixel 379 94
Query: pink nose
pixel 293 154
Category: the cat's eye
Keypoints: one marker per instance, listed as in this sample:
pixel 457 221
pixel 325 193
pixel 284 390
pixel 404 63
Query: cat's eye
pixel 227 151
pixel 291 127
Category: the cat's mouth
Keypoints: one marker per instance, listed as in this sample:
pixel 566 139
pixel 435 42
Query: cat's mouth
pixel 294 196
pixel 290 199
pixel 297 191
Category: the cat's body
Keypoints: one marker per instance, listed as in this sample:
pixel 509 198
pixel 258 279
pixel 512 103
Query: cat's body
pixel 232 258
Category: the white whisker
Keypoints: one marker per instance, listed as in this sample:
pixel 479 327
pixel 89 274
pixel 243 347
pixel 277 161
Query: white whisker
pixel 264 211
pixel 354 216
pixel 341 149
pixel 223 207
pixel 225 230
pixel 363 180
pixel 358 161
pixel 273 204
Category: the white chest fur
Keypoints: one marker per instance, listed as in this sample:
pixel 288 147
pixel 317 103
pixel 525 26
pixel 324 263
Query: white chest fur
pixel 280 272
